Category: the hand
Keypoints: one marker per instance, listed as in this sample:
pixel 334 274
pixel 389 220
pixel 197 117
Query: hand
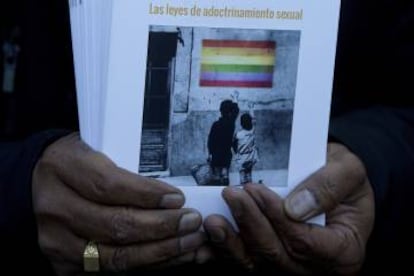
pixel 80 195
pixel 273 232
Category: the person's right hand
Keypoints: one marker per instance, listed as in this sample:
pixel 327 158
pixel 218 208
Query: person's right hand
pixel 80 195
pixel 273 233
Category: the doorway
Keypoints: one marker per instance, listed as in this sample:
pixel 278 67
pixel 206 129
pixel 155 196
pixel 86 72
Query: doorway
pixel 162 49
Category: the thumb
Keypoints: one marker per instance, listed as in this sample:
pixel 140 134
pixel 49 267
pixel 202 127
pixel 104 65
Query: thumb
pixel 329 186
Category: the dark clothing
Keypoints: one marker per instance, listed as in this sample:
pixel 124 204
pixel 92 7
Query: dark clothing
pixel 45 89
pixel 18 235
pixel 372 113
pixel 220 141
pixel 384 140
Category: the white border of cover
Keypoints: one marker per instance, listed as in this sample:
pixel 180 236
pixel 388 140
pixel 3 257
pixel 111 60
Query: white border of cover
pixel 128 50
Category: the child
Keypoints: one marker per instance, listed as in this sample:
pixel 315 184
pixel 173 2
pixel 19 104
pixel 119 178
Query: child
pixel 245 148
pixel 220 142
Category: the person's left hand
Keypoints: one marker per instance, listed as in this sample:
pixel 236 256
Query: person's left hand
pixel 80 195
pixel 272 232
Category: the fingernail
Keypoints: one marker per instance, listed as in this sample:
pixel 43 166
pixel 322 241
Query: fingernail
pixel 189 222
pixel 191 242
pixel 172 201
pixel 301 205
pixel 217 234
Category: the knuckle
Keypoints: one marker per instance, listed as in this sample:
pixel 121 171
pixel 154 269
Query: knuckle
pixel 325 190
pixel 164 225
pixel 356 168
pixel 48 246
pixel 299 246
pixel 45 165
pixel 271 254
pixel 103 184
pixel 52 156
pixel 48 207
pixel 167 250
pixel 119 260
pixel 41 204
pixel 121 222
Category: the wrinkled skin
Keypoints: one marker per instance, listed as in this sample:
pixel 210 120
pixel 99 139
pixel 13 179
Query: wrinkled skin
pixel 81 195
pixel 273 232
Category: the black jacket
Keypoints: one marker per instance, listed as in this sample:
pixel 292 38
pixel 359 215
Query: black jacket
pixel 372 113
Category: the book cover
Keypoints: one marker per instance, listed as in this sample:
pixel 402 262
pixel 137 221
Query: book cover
pixel 206 94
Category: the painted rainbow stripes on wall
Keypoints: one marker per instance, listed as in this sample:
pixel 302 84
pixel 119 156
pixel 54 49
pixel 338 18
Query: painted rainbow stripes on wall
pixel 237 63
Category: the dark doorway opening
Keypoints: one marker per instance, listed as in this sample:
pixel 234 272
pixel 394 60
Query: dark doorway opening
pixel 162 49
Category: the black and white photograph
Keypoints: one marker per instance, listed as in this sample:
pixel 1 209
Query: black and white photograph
pixel 218 105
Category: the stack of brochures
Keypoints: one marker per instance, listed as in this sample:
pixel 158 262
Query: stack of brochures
pixel 206 94
pixel 90 25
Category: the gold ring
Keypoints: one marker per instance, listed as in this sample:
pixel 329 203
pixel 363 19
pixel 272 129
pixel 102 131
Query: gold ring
pixel 91 257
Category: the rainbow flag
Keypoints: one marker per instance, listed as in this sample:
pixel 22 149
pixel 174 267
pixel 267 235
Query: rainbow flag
pixel 237 63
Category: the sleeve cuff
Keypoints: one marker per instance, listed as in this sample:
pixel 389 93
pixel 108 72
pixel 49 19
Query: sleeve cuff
pixel 22 158
pixel 380 137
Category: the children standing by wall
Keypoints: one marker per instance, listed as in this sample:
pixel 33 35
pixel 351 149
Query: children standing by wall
pixel 244 145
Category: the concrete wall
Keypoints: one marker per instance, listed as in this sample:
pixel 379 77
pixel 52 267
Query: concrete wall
pixel 189 139
pixel 195 108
